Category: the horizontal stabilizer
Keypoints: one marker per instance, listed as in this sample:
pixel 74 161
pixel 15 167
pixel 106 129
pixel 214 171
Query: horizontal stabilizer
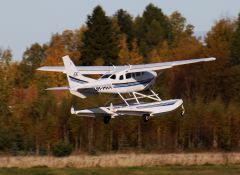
pixel 74 92
pixel 52 69
pixel 58 88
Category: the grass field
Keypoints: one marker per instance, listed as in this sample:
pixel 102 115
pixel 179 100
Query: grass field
pixel 165 170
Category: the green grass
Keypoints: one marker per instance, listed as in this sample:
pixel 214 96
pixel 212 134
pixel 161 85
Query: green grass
pixel 165 170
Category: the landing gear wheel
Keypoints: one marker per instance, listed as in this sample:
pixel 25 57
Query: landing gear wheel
pixel 146 117
pixel 183 111
pixel 182 114
pixel 106 119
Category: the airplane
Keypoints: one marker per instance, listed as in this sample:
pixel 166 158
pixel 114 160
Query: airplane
pixel 132 80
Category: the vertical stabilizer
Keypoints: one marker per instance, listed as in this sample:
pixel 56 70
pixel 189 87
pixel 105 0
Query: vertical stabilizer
pixel 73 75
pixel 75 79
pixel 70 67
pixel 71 71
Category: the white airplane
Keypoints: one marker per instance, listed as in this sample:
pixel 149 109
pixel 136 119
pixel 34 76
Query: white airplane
pixel 129 79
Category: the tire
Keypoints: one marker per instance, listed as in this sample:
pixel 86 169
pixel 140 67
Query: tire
pixel 146 118
pixel 182 113
pixel 106 119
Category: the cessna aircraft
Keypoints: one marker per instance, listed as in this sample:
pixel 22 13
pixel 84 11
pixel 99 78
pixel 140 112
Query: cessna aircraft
pixel 129 79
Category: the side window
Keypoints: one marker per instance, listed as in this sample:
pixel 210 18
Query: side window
pixel 133 75
pixel 106 76
pixel 142 73
pixel 128 75
pixel 138 74
pixel 113 76
pixel 121 77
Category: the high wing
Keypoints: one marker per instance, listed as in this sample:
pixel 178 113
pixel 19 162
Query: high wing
pixel 167 65
pixel 130 68
pixel 82 69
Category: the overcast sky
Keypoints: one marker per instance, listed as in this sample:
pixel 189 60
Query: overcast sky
pixel 23 22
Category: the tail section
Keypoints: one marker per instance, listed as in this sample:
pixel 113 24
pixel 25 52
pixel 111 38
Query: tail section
pixel 74 77
pixel 77 82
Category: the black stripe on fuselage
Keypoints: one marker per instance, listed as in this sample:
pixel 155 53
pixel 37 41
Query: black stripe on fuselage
pixel 77 80
pixel 132 83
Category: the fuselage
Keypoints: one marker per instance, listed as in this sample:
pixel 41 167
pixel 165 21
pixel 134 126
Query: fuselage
pixel 127 82
pixel 121 82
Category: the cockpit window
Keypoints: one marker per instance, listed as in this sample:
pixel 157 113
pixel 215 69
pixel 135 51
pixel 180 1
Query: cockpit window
pixel 128 75
pixel 106 76
pixel 121 77
pixel 113 76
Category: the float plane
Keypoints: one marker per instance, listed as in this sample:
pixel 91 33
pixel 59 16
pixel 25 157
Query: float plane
pixel 135 81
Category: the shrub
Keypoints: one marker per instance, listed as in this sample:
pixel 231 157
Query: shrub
pixel 92 152
pixel 62 149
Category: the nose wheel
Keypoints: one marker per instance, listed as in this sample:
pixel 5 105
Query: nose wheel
pixel 146 117
pixel 183 111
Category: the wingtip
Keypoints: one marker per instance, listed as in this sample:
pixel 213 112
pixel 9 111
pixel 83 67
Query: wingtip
pixel 212 59
pixel 41 69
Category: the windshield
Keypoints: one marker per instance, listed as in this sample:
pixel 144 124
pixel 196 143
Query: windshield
pixel 106 76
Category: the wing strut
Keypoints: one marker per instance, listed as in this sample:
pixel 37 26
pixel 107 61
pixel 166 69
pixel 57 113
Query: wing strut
pixel 156 95
pixel 124 99
pixel 137 96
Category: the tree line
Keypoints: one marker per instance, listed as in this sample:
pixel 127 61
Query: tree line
pixel 32 120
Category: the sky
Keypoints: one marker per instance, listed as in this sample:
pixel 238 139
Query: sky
pixel 23 22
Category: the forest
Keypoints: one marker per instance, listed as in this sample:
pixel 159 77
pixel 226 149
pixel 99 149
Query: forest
pixel 33 120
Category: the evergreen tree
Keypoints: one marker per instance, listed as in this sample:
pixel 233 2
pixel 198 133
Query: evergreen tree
pixel 4 94
pixel 32 58
pixel 179 26
pixel 98 40
pixel 72 41
pixel 4 138
pixel 5 56
pixel 6 77
pixel 34 55
pixel 56 50
pixel 125 23
pixel 135 56
pixel 152 29
pixel 235 47
pixel 178 22
pixel 123 52
pixel 219 40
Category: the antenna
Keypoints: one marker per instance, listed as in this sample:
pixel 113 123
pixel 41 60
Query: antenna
pixel 114 67
pixel 130 66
